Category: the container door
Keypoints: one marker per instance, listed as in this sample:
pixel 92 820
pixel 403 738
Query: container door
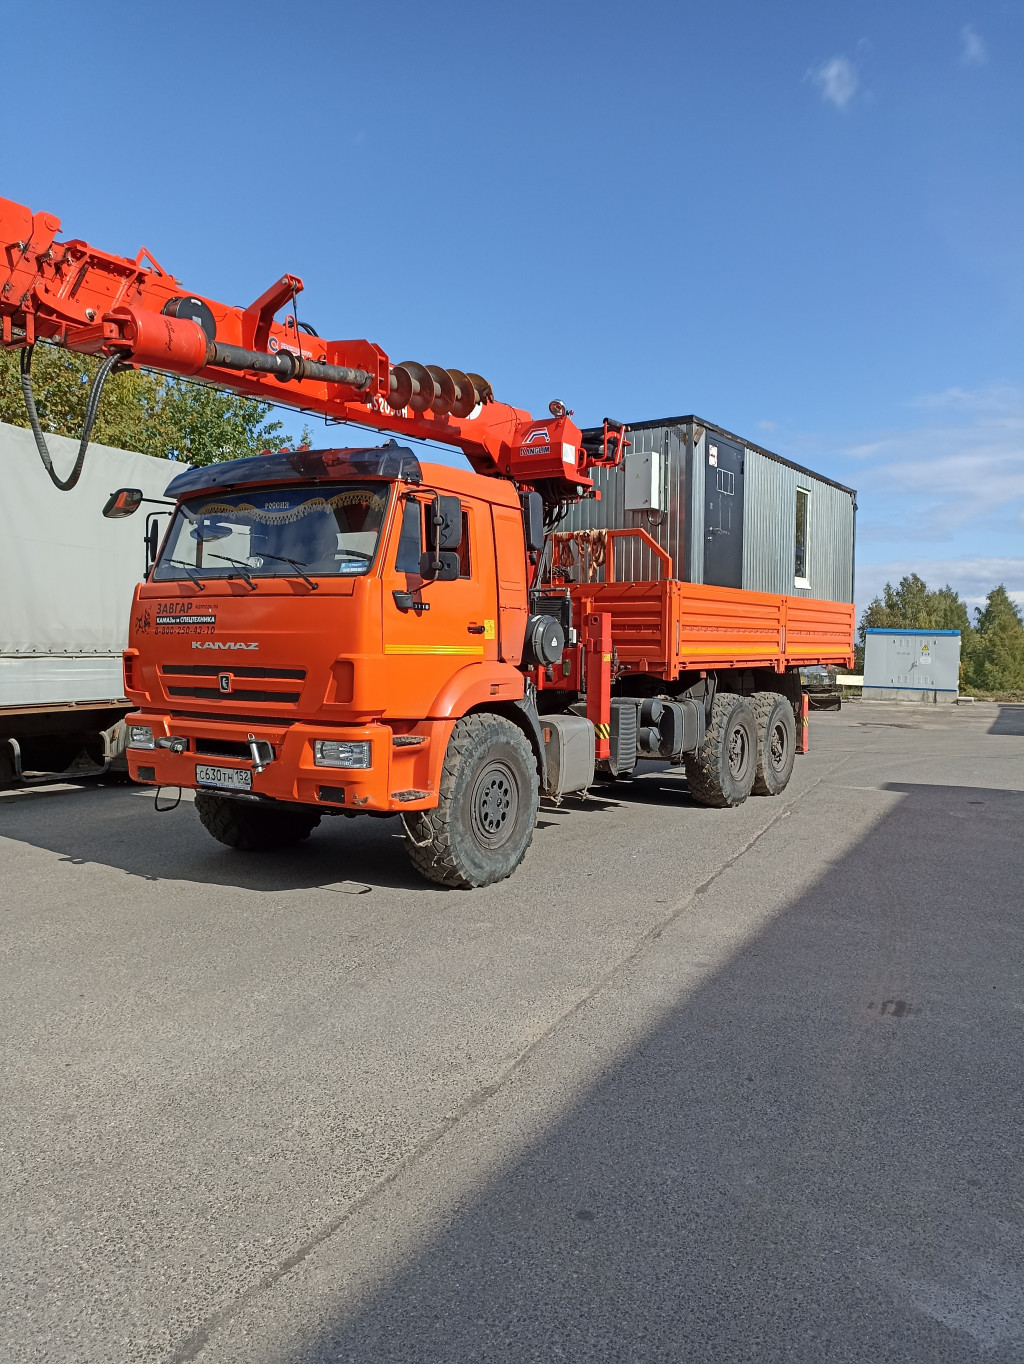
pixel 723 513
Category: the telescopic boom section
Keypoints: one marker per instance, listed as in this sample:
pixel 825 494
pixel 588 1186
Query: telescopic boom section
pixel 99 304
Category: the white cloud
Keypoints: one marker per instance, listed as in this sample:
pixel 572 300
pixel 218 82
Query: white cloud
pixel 942 496
pixel 962 471
pixel 973 50
pixel 837 80
pixel 972 577
pixel 767 426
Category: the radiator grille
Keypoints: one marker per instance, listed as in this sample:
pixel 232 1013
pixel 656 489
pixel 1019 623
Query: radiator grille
pixel 200 670
pixel 289 698
pixel 192 680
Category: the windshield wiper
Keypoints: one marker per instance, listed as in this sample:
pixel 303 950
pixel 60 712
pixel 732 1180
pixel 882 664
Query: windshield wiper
pixel 242 567
pixel 180 563
pixel 295 563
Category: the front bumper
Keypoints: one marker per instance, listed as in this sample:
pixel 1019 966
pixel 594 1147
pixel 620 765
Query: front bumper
pixel 400 775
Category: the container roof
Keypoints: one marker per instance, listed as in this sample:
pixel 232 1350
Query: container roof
pixel 691 420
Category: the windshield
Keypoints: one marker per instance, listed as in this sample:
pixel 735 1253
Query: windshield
pixel 276 532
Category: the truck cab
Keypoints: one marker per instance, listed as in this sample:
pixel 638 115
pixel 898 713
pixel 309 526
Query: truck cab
pixel 317 621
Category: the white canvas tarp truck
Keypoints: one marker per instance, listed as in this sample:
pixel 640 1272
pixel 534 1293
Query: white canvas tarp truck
pixel 67 575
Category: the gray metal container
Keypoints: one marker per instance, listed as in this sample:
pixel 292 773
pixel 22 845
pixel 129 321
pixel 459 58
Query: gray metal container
pixel 911 665
pixel 725 510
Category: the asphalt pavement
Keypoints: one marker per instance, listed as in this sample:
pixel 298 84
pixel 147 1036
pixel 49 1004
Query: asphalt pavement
pixel 692 1085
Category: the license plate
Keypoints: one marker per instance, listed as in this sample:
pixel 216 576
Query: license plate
pixel 228 778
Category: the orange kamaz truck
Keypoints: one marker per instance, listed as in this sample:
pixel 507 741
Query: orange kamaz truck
pixel 349 631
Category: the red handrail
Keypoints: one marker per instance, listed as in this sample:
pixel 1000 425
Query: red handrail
pixel 652 545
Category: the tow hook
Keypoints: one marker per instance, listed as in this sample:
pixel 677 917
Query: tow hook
pixel 262 753
pixel 174 742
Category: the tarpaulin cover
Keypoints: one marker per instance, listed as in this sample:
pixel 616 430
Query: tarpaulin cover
pixel 66 573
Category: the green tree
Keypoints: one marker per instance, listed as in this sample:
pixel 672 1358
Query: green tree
pixel 152 413
pixel 997 663
pixel 914 606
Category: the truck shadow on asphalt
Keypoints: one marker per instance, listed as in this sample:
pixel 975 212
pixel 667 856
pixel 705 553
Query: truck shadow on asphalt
pixel 1010 720
pixel 116 826
pixel 811 1157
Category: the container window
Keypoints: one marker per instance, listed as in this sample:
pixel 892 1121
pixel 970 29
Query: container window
pixel 801 575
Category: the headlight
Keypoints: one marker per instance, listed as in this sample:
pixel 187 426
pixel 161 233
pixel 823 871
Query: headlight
pixel 140 736
pixel 341 752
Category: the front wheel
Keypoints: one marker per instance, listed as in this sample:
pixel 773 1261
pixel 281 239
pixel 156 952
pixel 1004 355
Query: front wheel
pixel 487 808
pixel 721 772
pixel 252 827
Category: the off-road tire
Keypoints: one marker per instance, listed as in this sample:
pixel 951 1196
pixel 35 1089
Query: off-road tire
pixel 721 772
pixel 484 819
pixel 251 828
pixel 776 742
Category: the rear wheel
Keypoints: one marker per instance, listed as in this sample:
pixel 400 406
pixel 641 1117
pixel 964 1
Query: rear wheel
pixel 252 827
pixel 776 742
pixel 487 808
pixel 721 772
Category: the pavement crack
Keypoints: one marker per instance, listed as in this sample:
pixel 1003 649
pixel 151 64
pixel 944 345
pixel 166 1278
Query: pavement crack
pixel 195 1343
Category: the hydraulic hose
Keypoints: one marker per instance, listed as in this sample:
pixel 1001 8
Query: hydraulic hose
pixel 91 408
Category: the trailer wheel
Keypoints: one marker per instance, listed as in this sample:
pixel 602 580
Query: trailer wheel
pixel 776 742
pixel 721 772
pixel 251 827
pixel 483 823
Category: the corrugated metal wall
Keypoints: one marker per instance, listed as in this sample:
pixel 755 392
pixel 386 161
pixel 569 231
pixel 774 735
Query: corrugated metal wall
pixel 769 532
pixel 769 524
pixel 676 529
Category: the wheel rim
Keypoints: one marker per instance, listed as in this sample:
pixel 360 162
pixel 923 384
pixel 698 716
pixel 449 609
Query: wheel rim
pixel 738 751
pixel 777 747
pixel 495 804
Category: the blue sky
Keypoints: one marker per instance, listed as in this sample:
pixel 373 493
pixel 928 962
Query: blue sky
pixel 803 221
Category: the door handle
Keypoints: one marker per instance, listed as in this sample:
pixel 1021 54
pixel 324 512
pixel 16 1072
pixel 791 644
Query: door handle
pixel 476 629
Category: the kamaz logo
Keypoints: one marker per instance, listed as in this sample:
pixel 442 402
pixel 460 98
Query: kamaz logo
pixel 221 644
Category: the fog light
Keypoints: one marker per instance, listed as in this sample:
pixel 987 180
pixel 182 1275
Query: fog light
pixel 140 736
pixel 341 752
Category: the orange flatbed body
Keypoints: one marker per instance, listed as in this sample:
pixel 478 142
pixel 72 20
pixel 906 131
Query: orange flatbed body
pixel 671 627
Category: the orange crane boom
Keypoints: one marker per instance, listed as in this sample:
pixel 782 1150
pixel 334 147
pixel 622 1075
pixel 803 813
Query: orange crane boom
pixel 134 312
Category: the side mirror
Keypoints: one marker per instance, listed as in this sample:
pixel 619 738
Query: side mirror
pixel 152 542
pixel 533 520
pixel 440 565
pixel 122 503
pixel 444 535
pixel 446 531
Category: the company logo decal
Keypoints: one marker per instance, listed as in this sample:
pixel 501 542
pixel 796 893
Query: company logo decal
pixel 536 442
pixel 221 644
pixel 178 617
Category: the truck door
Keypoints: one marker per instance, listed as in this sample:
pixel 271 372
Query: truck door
pixel 447 624
pixel 723 513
